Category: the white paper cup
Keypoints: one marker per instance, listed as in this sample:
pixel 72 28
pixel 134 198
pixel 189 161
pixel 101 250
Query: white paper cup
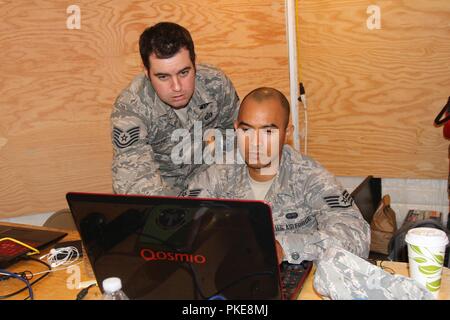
pixel 426 253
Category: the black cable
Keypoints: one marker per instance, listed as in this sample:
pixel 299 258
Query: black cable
pixel 387 269
pixel 302 91
pixel 438 121
pixel 380 265
pixel 24 274
pixel 18 277
pixel 84 292
pixel 31 283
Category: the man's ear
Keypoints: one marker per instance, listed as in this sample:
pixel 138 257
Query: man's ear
pixel 289 132
pixel 235 125
pixel 146 71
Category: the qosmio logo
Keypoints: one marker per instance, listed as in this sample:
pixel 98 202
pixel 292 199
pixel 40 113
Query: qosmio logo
pixel 150 255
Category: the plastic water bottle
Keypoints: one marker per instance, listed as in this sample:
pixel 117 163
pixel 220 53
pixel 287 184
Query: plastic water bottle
pixel 112 288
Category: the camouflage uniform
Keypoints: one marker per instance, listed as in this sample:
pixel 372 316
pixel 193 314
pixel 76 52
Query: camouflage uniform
pixel 311 211
pixel 142 126
pixel 340 275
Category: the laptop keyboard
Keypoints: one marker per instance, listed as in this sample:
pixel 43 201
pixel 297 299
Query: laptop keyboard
pixel 292 277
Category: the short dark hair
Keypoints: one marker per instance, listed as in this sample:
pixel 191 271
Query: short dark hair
pixel 165 39
pixel 265 93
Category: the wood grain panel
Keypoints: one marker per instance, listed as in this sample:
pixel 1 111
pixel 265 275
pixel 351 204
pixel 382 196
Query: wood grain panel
pixel 58 85
pixel 373 95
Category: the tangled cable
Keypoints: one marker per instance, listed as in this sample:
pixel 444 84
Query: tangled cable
pixel 61 256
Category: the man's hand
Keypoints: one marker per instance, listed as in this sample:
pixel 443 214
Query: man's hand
pixel 280 252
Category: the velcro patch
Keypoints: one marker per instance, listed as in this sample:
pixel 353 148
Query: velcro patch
pixel 345 200
pixel 194 192
pixel 123 139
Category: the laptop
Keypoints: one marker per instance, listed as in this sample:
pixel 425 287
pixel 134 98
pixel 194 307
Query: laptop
pixel 11 252
pixel 184 248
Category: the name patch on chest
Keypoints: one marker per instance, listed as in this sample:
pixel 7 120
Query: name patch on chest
pixel 293 226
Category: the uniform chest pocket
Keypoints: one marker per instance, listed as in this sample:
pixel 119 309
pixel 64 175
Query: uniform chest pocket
pixel 293 215
pixel 293 219
pixel 163 128
pixel 207 114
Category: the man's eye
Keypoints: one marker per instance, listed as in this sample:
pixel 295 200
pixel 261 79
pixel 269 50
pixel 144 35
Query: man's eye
pixel 184 73
pixel 271 131
pixel 162 78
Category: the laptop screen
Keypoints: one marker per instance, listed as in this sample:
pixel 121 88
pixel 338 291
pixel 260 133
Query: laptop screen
pixel 179 248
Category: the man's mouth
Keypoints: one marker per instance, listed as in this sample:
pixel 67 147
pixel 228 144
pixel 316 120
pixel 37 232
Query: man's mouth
pixel 253 156
pixel 178 98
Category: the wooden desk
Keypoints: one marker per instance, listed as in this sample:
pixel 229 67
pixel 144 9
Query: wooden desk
pixel 59 285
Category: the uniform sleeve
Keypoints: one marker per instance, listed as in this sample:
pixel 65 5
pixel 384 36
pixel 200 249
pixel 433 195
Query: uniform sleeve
pixel 339 222
pixel 134 170
pixel 202 185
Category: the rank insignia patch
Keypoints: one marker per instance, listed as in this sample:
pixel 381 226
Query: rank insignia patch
pixel 194 193
pixel 190 193
pixel 123 139
pixel 345 200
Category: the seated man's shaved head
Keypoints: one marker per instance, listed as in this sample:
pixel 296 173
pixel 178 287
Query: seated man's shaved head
pixel 265 93
pixel 262 128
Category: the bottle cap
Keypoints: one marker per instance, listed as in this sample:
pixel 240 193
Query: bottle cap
pixel 112 284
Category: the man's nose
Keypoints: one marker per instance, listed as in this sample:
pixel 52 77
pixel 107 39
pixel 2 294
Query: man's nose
pixel 259 138
pixel 176 84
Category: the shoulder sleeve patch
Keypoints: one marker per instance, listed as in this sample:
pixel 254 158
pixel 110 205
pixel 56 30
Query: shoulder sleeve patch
pixel 194 192
pixel 190 193
pixel 344 200
pixel 125 138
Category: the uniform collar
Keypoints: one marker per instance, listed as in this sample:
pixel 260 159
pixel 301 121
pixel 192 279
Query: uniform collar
pixel 201 94
pixel 284 173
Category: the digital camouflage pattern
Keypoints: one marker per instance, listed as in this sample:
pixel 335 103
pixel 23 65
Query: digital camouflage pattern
pixel 340 275
pixel 142 127
pixel 311 210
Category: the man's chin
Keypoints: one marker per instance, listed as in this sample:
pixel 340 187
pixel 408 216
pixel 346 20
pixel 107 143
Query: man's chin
pixel 264 170
pixel 257 165
pixel 179 105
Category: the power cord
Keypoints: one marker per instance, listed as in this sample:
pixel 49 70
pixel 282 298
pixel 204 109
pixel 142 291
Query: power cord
pixel 19 277
pixel 56 257
pixel 24 274
pixel 380 265
pixel 84 292
pixel 26 280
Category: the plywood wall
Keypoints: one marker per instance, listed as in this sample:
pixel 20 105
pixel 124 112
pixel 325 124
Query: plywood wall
pixel 373 93
pixel 57 85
